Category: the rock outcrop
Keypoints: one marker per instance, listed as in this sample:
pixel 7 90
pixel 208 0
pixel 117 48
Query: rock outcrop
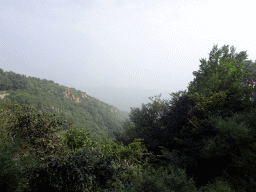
pixel 72 97
pixel 82 94
pixel 3 95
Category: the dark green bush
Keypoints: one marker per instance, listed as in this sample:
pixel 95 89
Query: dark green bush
pixel 9 172
pixel 217 186
pixel 77 138
pixel 165 179
pixel 72 174
pixel 233 153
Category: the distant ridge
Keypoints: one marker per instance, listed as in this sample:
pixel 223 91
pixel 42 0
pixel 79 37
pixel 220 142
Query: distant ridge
pixel 74 105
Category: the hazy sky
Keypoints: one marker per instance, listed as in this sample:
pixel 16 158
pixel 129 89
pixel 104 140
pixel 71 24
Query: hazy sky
pixel 144 44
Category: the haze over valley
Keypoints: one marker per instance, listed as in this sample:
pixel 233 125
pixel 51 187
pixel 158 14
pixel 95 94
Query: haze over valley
pixel 77 86
pixel 120 52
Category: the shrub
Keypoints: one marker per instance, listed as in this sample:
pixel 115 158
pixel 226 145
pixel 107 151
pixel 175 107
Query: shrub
pixel 9 173
pixel 76 138
pixel 217 185
pixel 233 153
pixel 165 179
pixel 72 174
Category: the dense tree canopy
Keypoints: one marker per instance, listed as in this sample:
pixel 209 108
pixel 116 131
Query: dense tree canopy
pixel 187 127
pixel 217 85
pixel 87 112
pixel 200 140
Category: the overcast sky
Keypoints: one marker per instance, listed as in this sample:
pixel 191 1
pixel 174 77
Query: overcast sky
pixel 142 44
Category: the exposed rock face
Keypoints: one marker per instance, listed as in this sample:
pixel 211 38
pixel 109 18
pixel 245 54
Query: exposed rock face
pixel 72 97
pixel 66 93
pixel 82 94
pixel 3 95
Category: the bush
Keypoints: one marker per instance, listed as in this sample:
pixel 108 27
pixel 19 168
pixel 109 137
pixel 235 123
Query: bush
pixel 76 138
pixel 167 180
pixel 9 173
pixel 35 131
pixel 85 170
pixel 233 153
pixel 72 174
pixel 218 185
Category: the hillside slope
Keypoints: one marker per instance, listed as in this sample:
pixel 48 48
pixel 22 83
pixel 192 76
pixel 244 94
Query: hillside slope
pixel 73 105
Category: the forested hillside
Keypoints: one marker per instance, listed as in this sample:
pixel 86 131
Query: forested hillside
pixel 77 107
pixel 210 130
pixel 203 140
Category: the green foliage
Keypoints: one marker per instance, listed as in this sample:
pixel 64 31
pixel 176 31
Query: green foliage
pixel 209 104
pixel 113 166
pixel 87 112
pixel 3 92
pixel 33 134
pixel 219 73
pixel 217 86
pixel 86 170
pixel 9 173
pixel 235 148
pixel 142 122
pixel 206 135
pixel 183 127
pixel 149 113
pixel 136 152
pixel 77 138
pixel 218 185
pixel 71 175
pixel 166 179
pixel 36 131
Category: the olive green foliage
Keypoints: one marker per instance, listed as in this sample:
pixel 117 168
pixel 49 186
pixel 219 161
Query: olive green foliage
pixel 72 174
pixel 3 92
pixel 185 127
pixel 30 138
pixel 45 164
pixel 135 152
pixel 92 170
pixel 163 179
pixel 220 72
pixel 91 114
pixel 217 86
pixel 141 123
pixel 34 129
pixel 9 173
pixel 235 150
pixel 93 166
pixel 77 138
pixel 217 185
pixel 12 81
pixel 201 140
pixel 86 170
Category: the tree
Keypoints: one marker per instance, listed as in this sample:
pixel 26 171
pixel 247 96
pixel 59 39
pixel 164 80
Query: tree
pixel 215 90
pixel 143 122
pixel 77 138
pixel 232 154
pixel 221 75
pixel 34 130
pixel 5 83
pixel 215 73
